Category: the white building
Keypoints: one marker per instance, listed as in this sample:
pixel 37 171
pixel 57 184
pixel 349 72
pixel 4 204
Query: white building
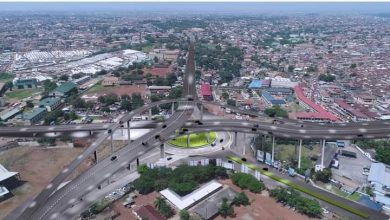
pixel 379 177
pixel 279 81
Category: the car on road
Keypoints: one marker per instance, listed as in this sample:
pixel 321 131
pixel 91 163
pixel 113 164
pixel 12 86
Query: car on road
pixel 113 158
pixel 169 158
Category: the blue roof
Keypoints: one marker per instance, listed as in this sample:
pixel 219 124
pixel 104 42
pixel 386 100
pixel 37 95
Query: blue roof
pixel 255 84
pixel 272 100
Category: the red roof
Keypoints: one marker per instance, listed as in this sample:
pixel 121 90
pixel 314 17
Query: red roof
pixel 320 112
pixel 351 110
pixel 148 212
pixel 206 90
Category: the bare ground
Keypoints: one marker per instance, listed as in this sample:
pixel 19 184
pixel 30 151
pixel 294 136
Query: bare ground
pixel 36 166
pixel 262 207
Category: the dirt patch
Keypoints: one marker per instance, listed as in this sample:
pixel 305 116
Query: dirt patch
pixel 36 166
pixel 262 207
pixel 123 90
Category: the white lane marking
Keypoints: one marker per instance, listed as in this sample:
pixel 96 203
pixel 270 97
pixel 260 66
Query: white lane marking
pixel 273 127
pixel 216 123
pixel 49 186
pixel 80 156
pixel 302 131
pixel 23 129
pixel 51 128
pixel 65 170
pixel 33 203
pixel 332 131
pixel 362 130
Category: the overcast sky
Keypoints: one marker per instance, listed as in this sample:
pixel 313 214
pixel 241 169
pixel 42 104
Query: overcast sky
pixel 240 8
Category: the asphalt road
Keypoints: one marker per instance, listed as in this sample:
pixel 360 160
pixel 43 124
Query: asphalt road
pixel 52 205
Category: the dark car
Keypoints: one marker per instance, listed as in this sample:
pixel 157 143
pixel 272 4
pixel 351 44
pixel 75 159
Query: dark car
pixel 109 131
pixel 169 158
pixel 199 122
pixel 243 159
pixel 164 126
pixel 256 126
pixel 220 141
pixel 265 168
pixel 143 143
pixel 113 158
pixel 157 136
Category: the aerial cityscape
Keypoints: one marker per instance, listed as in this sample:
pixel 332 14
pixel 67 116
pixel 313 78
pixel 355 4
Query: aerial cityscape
pixel 190 111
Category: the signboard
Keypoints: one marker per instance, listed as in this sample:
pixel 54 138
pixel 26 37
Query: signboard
pixel 268 159
pixel 260 156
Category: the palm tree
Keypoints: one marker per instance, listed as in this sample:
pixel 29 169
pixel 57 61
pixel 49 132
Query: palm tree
pixel 159 203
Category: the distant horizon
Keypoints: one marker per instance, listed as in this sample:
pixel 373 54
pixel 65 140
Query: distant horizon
pixel 200 7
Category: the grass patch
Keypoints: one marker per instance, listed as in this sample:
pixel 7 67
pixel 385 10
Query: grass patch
pixel 196 140
pixel 147 49
pixel 354 197
pixel 301 188
pixel 5 77
pixel 98 87
pixel 22 93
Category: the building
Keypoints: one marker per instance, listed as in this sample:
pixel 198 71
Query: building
pixel 209 208
pixel 255 84
pixel 191 199
pixel 379 177
pixel 159 89
pixel 26 83
pixel 82 80
pixel 269 99
pixel 318 113
pixel 110 81
pixel 280 91
pixel 50 103
pixel 282 82
pixel 148 212
pixel 8 180
pixel 65 90
pixel 35 116
pixel 9 113
pixel 206 92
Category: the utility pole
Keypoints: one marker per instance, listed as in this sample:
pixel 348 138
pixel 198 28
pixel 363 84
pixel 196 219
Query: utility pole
pixel 299 153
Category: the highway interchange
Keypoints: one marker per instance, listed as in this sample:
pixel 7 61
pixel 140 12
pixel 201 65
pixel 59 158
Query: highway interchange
pixel 52 202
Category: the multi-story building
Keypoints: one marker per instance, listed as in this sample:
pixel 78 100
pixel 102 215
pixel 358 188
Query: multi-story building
pixel 379 178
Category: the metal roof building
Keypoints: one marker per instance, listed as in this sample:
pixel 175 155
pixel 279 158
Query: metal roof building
pixel 192 198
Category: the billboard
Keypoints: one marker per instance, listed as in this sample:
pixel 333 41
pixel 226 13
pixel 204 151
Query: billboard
pixel 260 156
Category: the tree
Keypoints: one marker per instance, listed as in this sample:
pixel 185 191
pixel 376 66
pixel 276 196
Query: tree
pixel 142 168
pixel 29 104
pixel 225 95
pixel 231 102
pixel 155 98
pixel 163 207
pixel 241 199
pixel 276 111
pixel 9 85
pixel 290 68
pixel 48 86
pixel 247 181
pixel 184 215
pixel 324 176
pixel 155 110
pixel 126 105
pixel 175 92
pixel 137 101
pixel 64 77
pixel 353 66
pixel 326 77
pixel 225 209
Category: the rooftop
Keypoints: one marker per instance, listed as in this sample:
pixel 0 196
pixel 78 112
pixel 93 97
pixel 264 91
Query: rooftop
pixel 195 196
pixel 34 113
pixel 66 87
pixel 206 89
pixel 379 173
pixel 49 101
pixel 5 174
pixel 148 212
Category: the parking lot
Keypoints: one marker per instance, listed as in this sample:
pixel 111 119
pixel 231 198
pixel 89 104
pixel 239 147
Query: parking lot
pixel 350 168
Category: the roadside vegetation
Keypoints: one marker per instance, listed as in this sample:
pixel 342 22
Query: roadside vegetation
pixel 291 197
pixel 381 147
pixel 247 181
pixel 182 180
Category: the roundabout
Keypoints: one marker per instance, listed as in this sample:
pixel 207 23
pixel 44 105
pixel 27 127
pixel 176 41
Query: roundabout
pixel 196 140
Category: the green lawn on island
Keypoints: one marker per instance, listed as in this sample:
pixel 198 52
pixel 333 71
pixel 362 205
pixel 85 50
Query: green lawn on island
pixel 22 93
pixel 196 140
